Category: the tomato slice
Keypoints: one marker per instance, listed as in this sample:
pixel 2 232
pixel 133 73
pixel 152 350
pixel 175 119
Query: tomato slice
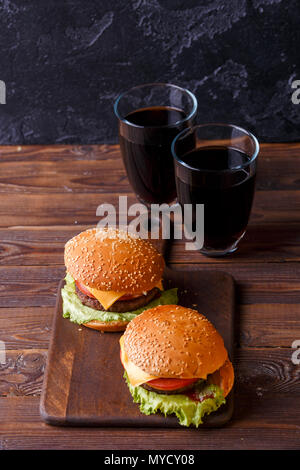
pixel 170 384
pixel 84 290
pixel 130 296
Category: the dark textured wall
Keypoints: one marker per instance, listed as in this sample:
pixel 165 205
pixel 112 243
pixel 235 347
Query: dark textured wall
pixel 64 63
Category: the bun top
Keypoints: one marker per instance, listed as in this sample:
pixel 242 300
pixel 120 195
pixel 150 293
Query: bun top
pixel 171 341
pixel 113 260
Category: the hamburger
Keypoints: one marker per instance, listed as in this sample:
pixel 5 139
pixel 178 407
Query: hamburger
pixel 112 276
pixel 175 362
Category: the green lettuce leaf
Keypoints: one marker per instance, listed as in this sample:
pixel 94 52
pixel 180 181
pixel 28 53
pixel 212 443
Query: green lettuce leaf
pixel 74 309
pixel 188 411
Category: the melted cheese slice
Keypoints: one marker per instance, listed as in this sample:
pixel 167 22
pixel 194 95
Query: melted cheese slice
pixel 136 376
pixel 108 298
pixel 223 377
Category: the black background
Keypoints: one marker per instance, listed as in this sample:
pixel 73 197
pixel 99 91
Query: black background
pixel 65 62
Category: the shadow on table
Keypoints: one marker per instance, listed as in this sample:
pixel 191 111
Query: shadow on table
pixel 270 242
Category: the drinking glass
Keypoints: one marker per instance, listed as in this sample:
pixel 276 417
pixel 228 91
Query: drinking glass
pixel 215 165
pixel 149 117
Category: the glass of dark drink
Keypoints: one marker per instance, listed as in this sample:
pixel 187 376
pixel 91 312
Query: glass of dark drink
pixel 215 165
pixel 150 116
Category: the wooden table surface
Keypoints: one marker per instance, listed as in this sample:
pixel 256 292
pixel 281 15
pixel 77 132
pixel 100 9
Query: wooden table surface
pixel 47 195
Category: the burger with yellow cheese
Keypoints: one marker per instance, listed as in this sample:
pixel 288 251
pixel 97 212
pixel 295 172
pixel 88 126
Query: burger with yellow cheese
pixel 175 362
pixel 112 276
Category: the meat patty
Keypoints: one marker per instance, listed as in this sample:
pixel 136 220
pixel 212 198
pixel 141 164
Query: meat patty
pixel 172 392
pixel 120 306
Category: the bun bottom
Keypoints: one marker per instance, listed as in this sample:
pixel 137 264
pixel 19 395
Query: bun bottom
pixel 107 326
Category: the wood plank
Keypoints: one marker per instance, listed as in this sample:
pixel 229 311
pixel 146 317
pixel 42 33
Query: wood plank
pixel 260 282
pixel 31 286
pixel 42 209
pixel 36 153
pixel 269 325
pixel 79 176
pixel 45 245
pixel 278 173
pixel 23 372
pixel 34 437
pixel 261 374
pixel 276 207
pixel 78 208
pixel 30 175
pixel 257 325
pixel 21 428
pixel 49 152
pixel 264 373
pixel 102 170
pixel 26 328
pixel 280 150
pixel 275 242
pixel 35 286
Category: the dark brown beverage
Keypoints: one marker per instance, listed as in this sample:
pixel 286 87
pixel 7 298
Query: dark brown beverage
pixel 146 151
pixel 226 188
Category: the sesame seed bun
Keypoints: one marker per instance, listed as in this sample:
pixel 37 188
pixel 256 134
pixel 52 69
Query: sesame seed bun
pixel 113 260
pixel 171 341
pixel 107 326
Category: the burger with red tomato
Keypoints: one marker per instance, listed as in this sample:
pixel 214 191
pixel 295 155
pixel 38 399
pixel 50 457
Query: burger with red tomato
pixel 112 276
pixel 175 362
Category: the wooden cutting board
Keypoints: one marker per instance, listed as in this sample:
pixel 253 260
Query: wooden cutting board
pixel 84 384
